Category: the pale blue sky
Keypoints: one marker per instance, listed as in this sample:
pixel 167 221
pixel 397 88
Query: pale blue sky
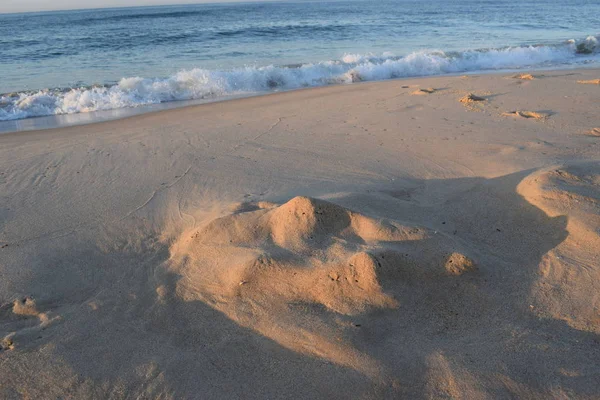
pixel 45 5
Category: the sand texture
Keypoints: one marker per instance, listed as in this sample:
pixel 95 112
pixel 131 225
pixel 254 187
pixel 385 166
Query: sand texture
pixel 347 242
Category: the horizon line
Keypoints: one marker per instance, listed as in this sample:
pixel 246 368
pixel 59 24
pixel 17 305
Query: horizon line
pixel 211 2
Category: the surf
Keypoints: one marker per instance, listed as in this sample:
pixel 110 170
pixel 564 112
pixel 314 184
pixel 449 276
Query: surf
pixel 199 83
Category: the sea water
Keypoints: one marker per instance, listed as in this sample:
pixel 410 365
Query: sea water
pixel 74 62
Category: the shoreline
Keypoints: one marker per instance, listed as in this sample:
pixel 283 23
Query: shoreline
pixel 93 117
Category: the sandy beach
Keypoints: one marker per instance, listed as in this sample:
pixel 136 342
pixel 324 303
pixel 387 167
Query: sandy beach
pixel 419 238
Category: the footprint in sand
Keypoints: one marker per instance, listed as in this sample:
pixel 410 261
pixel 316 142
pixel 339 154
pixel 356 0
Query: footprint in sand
pixel 471 98
pixel 537 115
pixel 20 316
pixel 524 77
pixel 472 102
pixel 590 82
pixel 421 92
pixel 594 132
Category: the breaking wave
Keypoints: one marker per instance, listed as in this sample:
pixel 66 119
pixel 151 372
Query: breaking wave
pixel 213 84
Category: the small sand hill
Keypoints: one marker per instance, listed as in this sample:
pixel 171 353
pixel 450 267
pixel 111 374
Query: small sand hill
pixel 286 270
pixel 573 191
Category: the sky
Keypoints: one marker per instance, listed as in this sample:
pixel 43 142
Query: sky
pixel 7 6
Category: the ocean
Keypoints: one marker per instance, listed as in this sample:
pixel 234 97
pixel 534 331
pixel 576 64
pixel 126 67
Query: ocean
pixel 77 62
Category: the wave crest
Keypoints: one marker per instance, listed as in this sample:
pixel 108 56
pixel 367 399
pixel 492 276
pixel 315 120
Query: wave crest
pixel 202 83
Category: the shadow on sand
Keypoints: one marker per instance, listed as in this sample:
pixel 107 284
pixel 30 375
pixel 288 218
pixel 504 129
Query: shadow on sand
pixel 473 336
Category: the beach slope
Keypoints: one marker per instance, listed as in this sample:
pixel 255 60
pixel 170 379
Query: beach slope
pixel 421 238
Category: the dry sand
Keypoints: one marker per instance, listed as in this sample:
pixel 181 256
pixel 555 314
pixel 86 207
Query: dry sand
pixel 341 242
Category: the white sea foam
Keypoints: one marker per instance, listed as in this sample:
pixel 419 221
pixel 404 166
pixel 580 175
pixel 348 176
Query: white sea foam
pixel 202 83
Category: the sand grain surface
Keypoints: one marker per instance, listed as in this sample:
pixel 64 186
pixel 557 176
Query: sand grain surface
pixel 342 242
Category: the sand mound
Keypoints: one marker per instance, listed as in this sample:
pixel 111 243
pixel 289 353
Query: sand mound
pixel 528 114
pixel 590 82
pixel 258 266
pixel 573 191
pixel 298 249
pixel 420 92
pixel 6 344
pixel 458 264
pixel 25 306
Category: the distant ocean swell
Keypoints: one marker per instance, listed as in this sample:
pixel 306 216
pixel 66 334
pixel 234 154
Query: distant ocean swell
pixel 212 84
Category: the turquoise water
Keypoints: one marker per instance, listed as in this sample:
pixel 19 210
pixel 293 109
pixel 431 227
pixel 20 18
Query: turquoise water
pixel 71 62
